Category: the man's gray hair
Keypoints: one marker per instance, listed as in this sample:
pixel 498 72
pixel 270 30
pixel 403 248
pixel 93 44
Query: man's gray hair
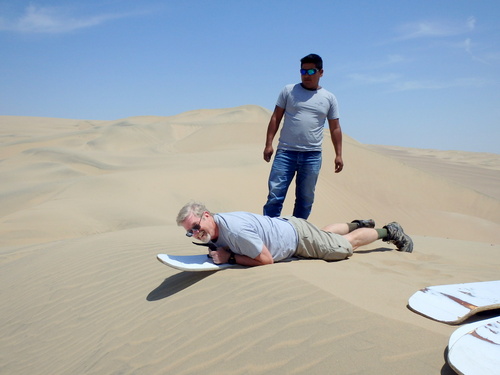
pixel 195 208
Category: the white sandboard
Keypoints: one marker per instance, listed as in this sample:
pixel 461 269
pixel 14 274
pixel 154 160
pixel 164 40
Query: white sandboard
pixel 467 328
pixel 454 303
pixel 192 263
pixel 474 349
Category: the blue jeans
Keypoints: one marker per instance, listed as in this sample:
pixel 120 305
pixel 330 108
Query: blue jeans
pixel 287 164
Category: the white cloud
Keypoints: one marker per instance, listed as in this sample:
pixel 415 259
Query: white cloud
pixel 394 82
pixel 493 56
pixel 471 23
pixel 428 29
pixel 372 64
pixel 373 79
pixel 53 20
pixel 395 59
pixel 467 45
pixel 437 85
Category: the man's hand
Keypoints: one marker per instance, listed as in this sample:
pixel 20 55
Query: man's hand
pixel 268 152
pixel 220 256
pixel 339 164
pixel 272 129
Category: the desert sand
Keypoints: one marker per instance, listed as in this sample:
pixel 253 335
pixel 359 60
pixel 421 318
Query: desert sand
pixel 85 206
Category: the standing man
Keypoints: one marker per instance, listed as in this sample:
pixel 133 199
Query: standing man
pixel 305 106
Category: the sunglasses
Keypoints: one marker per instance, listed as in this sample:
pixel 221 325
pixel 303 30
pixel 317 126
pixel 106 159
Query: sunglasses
pixel 309 72
pixel 195 227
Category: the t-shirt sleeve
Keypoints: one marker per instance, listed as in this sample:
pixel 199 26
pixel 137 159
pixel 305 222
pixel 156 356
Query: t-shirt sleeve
pixel 247 242
pixel 333 112
pixel 281 102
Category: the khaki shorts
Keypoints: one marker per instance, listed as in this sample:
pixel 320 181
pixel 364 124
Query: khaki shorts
pixel 319 244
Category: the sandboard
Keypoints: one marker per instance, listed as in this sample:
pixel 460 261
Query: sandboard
pixel 474 349
pixel 192 263
pixel 452 304
pixel 467 328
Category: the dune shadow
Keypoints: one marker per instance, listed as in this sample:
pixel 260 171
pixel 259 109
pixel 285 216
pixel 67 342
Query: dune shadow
pixel 175 284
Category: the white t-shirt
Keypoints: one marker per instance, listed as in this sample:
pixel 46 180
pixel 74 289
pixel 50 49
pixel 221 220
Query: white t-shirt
pixel 245 233
pixel 305 114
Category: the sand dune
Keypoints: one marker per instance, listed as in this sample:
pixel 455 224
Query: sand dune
pixel 477 171
pixel 86 205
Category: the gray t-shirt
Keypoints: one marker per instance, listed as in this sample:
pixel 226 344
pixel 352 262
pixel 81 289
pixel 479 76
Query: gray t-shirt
pixel 305 114
pixel 245 233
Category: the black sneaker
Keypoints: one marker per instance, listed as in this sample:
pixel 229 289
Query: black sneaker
pixel 364 223
pixel 398 237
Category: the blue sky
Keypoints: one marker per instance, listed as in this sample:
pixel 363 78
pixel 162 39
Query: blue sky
pixel 423 73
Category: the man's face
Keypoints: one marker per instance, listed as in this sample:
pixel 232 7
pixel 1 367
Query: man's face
pixel 200 227
pixel 311 82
